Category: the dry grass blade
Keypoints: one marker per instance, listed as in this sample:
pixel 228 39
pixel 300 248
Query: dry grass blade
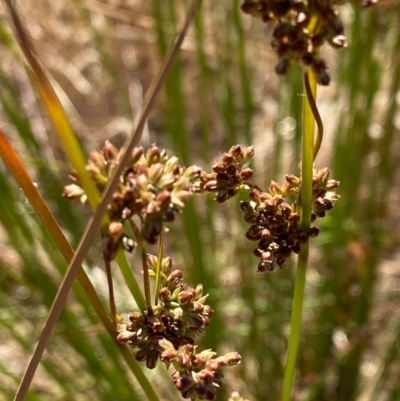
pixel 55 109
pixel 94 223
pixel 21 176
pixel 17 169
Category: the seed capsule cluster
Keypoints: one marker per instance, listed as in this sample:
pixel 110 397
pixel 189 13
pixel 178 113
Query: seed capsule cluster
pixel 275 223
pixel 168 331
pixel 201 373
pixel 153 187
pixel 229 174
pixel 303 26
pixel 324 193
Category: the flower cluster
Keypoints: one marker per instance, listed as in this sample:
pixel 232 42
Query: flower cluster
pixel 275 223
pixel 153 187
pixel 324 193
pixel 168 330
pixel 303 26
pixel 229 174
pixel 199 374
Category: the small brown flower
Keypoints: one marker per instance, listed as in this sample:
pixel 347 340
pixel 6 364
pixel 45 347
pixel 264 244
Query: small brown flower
pixel 229 174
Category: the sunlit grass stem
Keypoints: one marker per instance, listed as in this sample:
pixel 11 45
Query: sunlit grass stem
pixel 305 203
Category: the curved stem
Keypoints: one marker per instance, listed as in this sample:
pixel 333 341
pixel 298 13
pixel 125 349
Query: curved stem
pixel 314 109
pixel 308 151
pixel 305 203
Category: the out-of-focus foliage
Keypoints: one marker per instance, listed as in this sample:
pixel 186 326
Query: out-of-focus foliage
pixel 101 57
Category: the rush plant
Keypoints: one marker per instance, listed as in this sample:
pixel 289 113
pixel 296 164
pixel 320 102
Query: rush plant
pixel 139 193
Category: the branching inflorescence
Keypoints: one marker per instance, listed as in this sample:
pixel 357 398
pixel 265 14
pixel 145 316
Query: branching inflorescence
pixel 168 331
pixel 154 188
pixel 274 222
pixel 303 26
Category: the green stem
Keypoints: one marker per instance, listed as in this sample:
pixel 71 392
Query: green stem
pixel 158 268
pixel 305 204
pixel 130 280
pixel 297 311
pixel 111 298
pixel 146 278
pixel 305 199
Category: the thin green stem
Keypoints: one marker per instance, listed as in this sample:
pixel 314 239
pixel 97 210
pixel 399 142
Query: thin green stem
pixel 158 268
pixel 146 278
pixel 295 324
pixel 305 198
pixel 111 298
pixel 130 280
pixel 305 204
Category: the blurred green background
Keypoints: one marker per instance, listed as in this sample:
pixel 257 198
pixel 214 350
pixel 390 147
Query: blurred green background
pixel 101 56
